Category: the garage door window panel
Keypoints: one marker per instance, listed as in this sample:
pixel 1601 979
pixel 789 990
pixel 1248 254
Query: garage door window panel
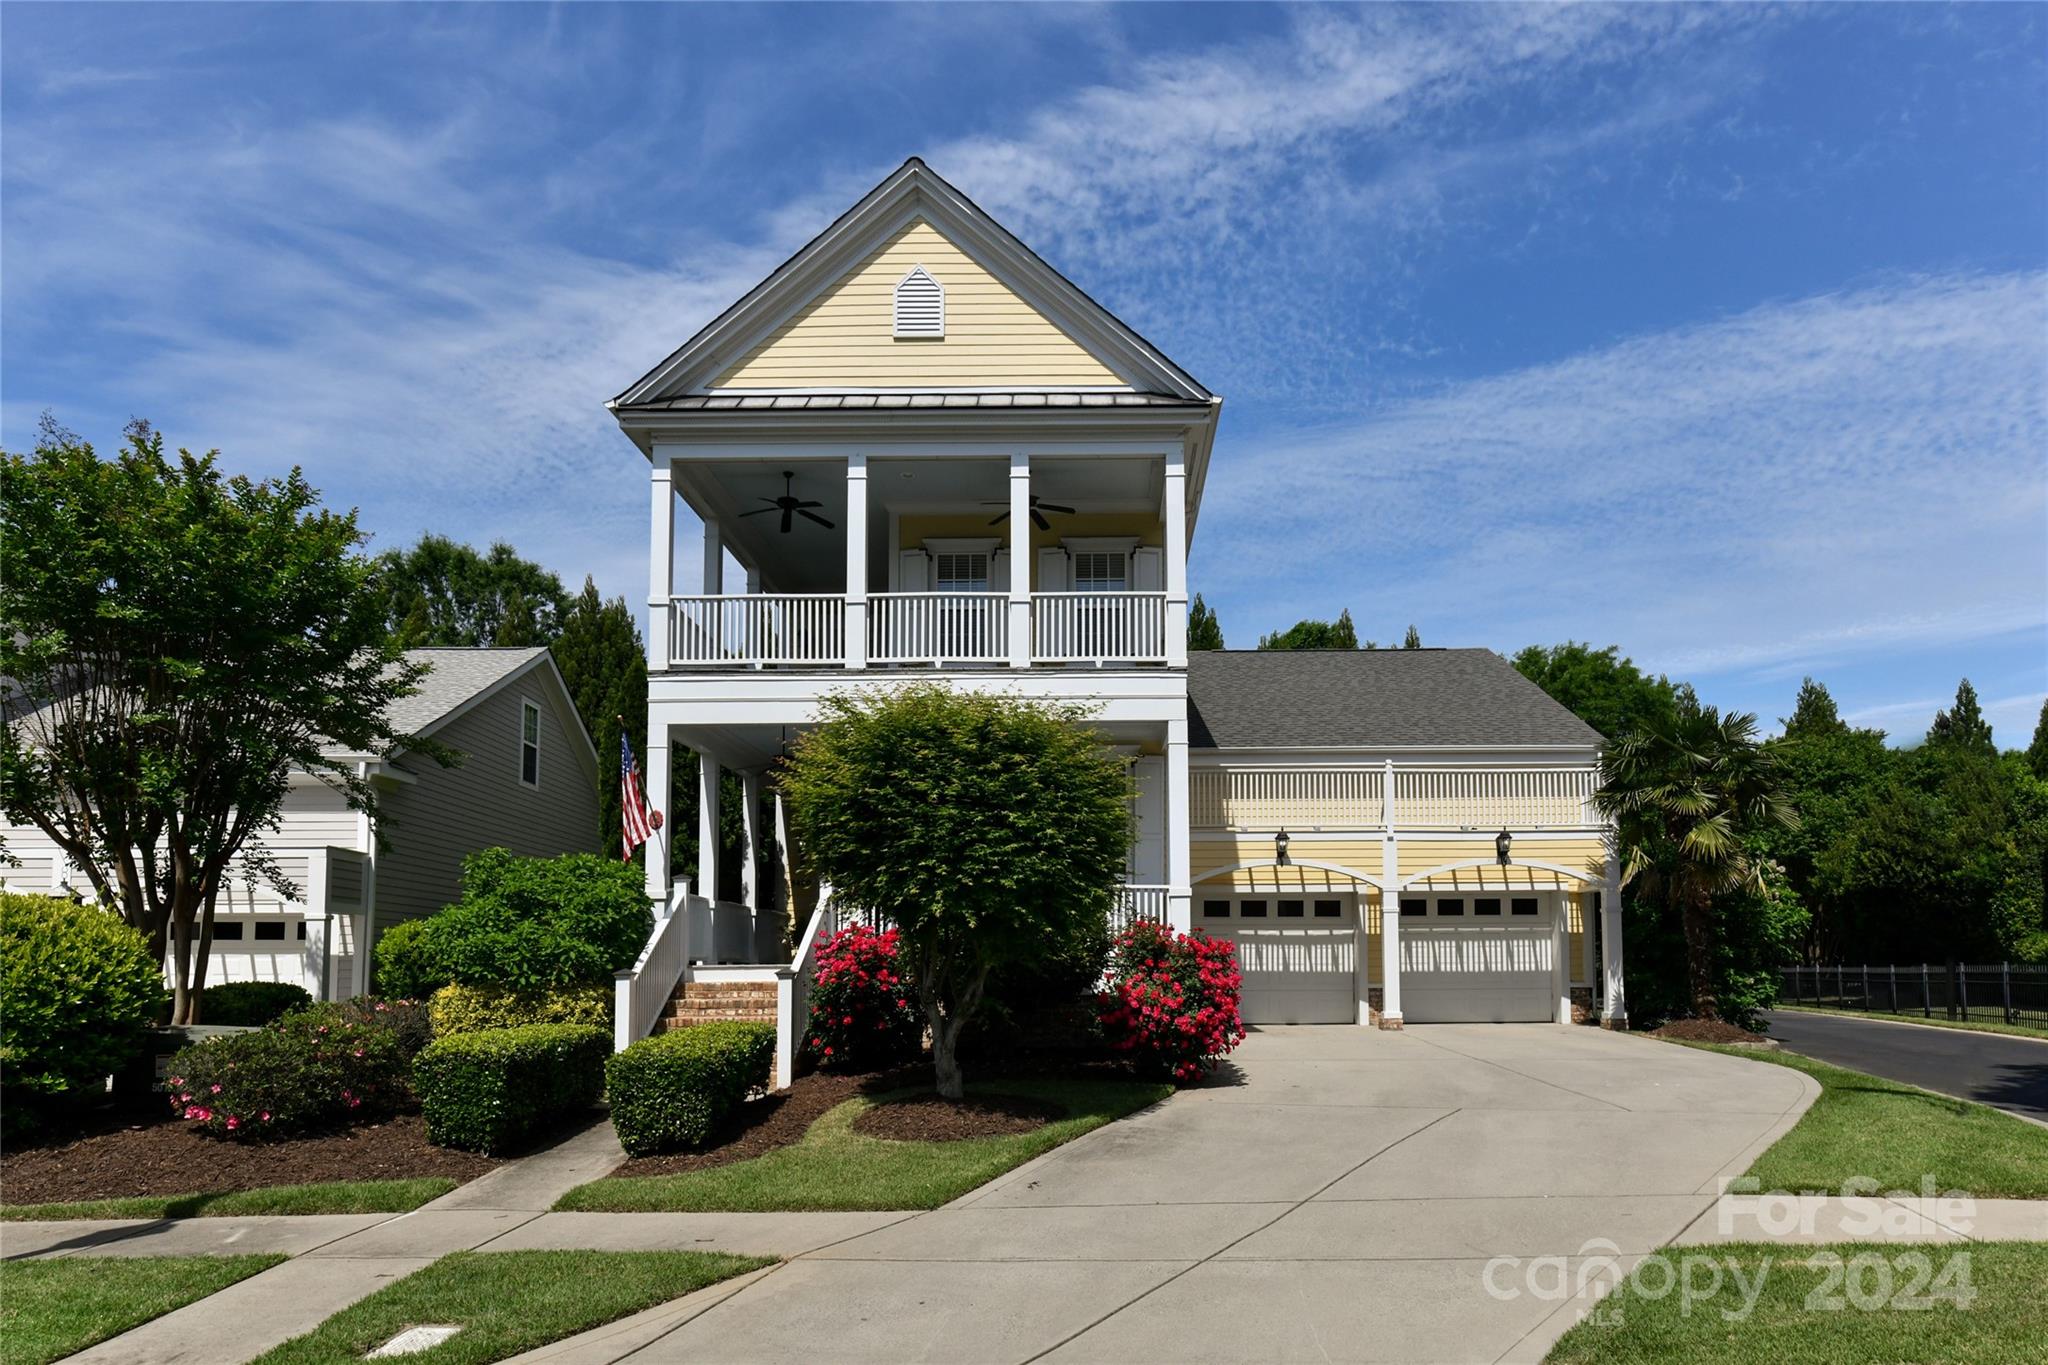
pixel 1251 909
pixel 1215 909
pixel 1291 909
pixel 1487 905
pixel 1451 909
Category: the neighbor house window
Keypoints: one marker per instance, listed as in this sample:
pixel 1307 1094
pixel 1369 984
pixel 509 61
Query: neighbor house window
pixel 1096 571
pixel 529 744
pixel 960 572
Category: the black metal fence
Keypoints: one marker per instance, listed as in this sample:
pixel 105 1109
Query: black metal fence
pixel 2011 992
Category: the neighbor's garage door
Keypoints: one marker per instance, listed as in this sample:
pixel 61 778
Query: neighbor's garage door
pixel 1485 959
pixel 1298 955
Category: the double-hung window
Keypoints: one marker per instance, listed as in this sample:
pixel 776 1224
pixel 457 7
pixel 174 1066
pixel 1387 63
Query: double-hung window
pixel 954 572
pixel 529 744
pixel 1101 571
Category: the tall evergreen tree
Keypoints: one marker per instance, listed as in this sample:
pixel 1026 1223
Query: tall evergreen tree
pixel 1963 727
pixel 605 666
pixel 1413 640
pixel 1204 630
pixel 1599 686
pixel 1337 634
pixel 1813 714
pixel 2037 752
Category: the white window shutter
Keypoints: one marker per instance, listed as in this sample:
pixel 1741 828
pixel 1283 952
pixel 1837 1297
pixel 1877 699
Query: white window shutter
pixel 999 571
pixel 920 305
pixel 1052 569
pixel 911 571
pixel 1148 563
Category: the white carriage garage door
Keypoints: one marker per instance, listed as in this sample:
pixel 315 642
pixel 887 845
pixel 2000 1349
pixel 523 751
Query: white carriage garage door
pixel 1298 955
pixel 1477 959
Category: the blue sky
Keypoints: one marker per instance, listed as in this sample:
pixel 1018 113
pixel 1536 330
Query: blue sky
pixel 1719 334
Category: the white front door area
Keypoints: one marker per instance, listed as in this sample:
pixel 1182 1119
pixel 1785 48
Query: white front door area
pixel 1298 954
pixel 1474 959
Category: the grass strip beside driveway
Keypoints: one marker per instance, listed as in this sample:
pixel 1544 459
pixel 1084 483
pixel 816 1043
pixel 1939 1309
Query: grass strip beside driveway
pixel 1824 1306
pixel 342 1196
pixel 507 1302
pixel 835 1168
pixel 1971 1025
pixel 1892 1133
pixel 55 1308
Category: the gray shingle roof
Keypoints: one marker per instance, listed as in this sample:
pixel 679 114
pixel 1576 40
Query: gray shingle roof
pixel 1370 698
pixel 458 674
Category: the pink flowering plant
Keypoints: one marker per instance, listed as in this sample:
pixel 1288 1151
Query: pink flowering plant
pixel 863 1013
pixel 316 1070
pixel 1171 1004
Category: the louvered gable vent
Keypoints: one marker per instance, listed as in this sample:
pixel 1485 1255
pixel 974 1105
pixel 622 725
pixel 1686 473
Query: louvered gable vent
pixel 920 305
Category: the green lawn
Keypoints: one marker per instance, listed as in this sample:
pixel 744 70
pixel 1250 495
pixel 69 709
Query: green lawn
pixel 2006 1322
pixel 51 1309
pixel 1895 1134
pixel 1974 1025
pixel 833 1167
pixel 507 1302
pixel 344 1196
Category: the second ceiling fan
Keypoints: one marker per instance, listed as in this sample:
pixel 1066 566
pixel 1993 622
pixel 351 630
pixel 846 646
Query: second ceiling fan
pixel 1038 510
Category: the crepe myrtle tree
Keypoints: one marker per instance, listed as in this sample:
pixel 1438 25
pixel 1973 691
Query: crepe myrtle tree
pixel 178 644
pixel 991 831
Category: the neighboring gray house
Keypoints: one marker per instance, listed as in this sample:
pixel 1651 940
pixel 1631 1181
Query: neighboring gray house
pixel 527 781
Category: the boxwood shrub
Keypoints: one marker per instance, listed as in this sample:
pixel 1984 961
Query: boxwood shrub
pixel 472 1009
pixel 674 1089
pixel 484 1092
pixel 253 1003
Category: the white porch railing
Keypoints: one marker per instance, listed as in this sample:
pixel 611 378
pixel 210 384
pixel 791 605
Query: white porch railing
pixel 640 995
pixel 1490 798
pixel 1135 903
pixel 1098 627
pixel 757 628
pixel 1333 797
pixel 939 627
pixel 1277 798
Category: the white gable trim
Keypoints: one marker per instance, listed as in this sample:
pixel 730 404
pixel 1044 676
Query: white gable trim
pixel 913 191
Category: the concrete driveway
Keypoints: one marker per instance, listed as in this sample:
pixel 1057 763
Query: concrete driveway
pixel 1337 1194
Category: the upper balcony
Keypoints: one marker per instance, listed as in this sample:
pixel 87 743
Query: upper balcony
pixel 923 559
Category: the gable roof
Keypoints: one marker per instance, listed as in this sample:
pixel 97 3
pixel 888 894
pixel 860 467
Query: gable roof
pixel 1372 698
pixel 912 190
pixel 458 675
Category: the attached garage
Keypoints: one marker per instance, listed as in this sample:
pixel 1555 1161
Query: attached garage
pixel 1479 959
pixel 1298 954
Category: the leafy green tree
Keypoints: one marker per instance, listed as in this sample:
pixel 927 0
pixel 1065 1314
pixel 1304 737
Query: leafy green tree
pixel 1413 639
pixel 1599 686
pixel 1813 714
pixel 442 592
pixel 991 831
pixel 2037 752
pixel 604 664
pixel 1687 797
pixel 1338 634
pixel 1963 726
pixel 1204 631
pixel 180 643
pixel 1830 775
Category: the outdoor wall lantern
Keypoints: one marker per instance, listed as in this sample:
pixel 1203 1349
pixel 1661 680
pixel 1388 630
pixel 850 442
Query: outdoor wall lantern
pixel 1501 843
pixel 1280 858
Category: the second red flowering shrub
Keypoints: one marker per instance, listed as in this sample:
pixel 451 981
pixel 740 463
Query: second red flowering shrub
pixel 315 1070
pixel 863 1014
pixel 1171 1005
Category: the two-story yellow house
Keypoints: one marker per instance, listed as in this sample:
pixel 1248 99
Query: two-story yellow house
pixel 933 456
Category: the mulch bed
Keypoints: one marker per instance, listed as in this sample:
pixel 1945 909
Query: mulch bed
pixel 1707 1031
pixel 168 1156
pixel 927 1118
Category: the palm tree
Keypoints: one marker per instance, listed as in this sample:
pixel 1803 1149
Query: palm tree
pixel 1684 792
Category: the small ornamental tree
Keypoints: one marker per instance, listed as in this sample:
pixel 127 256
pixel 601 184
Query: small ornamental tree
pixel 862 1013
pixel 1171 1007
pixel 991 831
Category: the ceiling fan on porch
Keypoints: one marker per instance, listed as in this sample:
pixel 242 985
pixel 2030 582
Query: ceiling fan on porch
pixel 790 506
pixel 1038 510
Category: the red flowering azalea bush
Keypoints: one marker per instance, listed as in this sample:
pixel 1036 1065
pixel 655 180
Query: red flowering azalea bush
pixel 1171 1004
pixel 863 1015
pixel 324 1068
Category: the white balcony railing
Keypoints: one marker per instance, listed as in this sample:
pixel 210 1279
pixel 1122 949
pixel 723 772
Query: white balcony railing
pixel 758 628
pixel 1134 903
pixel 1330 797
pixel 1098 627
pixel 1466 798
pixel 939 628
pixel 1277 798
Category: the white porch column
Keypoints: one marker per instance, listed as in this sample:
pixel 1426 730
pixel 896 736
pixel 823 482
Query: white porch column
pixel 788 882
pixel 707 826
pixel 314 964
pixel 1614 1008
pixel 1560 970
pixel 750 862
pixel 856 561
pixel 714 558
pixel 1390 906
pixel 1174 512
pixel 1022 560
pixel 1180 910
pixel 661 565
pixel 654 780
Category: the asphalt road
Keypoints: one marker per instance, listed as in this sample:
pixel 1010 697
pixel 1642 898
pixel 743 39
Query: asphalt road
pixel 2007 1073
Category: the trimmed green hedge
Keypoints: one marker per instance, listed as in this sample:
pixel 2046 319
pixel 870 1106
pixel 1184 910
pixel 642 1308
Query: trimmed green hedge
pixel 483 1092
pixel 472 1009
pixel 673 1090
pixel 251 1002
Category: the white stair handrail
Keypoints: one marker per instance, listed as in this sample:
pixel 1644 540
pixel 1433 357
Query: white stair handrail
pixel 640 994
pixel 793 987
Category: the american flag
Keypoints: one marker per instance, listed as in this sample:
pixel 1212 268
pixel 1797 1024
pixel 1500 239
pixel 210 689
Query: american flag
pixel 639 824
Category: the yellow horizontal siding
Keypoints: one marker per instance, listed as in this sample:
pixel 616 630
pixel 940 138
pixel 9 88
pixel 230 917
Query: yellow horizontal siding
pixel 845 337
pixel 1586 856
pixel 1210 855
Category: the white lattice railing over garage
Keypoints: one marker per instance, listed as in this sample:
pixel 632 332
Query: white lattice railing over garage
pixel 1352 797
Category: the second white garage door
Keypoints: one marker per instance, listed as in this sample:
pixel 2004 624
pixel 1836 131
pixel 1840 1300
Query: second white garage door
pixel 1482 959
pixel 1298 955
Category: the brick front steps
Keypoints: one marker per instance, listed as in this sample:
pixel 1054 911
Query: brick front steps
pixel 703 1002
